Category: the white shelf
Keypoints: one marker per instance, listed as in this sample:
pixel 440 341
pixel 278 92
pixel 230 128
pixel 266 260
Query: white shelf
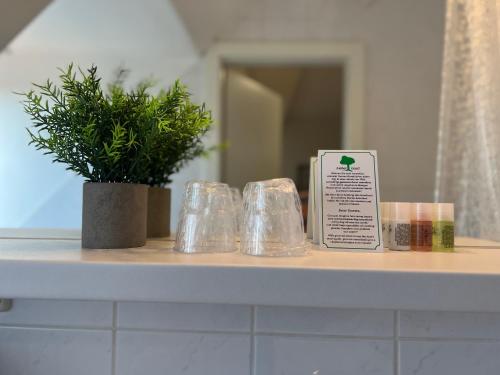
pixel 50 264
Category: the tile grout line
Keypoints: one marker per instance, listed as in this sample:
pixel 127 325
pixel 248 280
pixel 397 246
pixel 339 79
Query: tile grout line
pixel 396 342
pixel 324 336
pixel 243 332
pixel 113 340
pixel 312 335
pixel 252 341
pixel 171 330
pixel 55 327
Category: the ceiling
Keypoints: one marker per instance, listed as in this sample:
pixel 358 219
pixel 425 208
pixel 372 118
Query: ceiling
pixel 15 15
pixel 205 20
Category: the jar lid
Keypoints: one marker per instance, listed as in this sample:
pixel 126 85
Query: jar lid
pixel 421 211
pixel 401 211
pixel 443 212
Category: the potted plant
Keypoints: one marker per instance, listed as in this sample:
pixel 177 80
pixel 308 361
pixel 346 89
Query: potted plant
pixel 178 126
pixel 112 139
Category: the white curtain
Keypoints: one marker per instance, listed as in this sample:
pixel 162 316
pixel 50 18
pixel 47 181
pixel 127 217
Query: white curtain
pixel 468 166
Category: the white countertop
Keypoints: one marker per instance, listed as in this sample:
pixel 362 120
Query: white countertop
pixel 50 264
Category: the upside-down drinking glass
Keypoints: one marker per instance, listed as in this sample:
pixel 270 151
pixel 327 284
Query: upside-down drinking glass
pixel 272 223
pixel 207 222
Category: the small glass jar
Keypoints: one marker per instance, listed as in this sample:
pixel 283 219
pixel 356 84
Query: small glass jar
pixel 443 227
pixel 400 224
pixel 421 226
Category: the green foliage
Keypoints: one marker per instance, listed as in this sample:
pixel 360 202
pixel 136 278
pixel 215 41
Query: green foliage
pixel 118 135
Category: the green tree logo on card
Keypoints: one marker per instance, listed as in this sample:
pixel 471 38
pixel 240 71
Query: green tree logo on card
pixel 347 161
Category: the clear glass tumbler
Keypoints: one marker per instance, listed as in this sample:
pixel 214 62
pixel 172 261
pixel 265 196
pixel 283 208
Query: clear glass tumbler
pixel 272 223
pixel 207 221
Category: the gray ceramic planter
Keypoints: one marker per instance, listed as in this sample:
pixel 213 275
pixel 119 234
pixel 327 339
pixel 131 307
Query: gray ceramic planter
pixel 158 212
pixel 114 215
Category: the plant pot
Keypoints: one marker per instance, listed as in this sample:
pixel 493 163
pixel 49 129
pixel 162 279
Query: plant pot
pixel 114 215
pixel 158 212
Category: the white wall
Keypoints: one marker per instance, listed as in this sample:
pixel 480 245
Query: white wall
pixel 314 120
pixel 46 337
pixel 313 105
pixel 403 42
pixel 145 36
pixel 253 115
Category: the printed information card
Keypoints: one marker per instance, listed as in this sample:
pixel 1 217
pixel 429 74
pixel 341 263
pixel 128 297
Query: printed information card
pixel 348 200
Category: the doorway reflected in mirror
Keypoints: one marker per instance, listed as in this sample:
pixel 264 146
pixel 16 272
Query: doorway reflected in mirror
pixel 275 118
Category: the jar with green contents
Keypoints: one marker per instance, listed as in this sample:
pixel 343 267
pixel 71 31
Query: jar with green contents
pixel 443 227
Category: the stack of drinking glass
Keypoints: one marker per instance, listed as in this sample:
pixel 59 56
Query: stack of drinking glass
pixel 268 222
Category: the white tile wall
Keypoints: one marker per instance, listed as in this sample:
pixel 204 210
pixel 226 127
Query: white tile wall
pixel 449 358
pixel 45 337
pixel 277 355
pixel 184 316
pixel 428 324
pixel 160 353
pixel 310 320
pixel 39 351
pixel 59 313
